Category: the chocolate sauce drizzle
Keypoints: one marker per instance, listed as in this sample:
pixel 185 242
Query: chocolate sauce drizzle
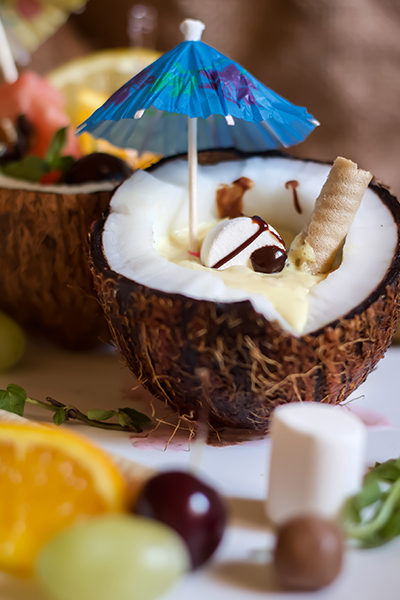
pixel 294 184
pixel 229 197
pixel 262 226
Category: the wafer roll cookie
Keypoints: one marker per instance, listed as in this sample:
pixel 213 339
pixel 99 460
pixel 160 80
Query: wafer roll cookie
pixel 315 248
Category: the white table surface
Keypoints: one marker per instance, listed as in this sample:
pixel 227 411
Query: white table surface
pixel 241 569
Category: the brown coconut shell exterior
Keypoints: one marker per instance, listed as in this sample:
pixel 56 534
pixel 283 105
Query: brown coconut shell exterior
pixel 45 282
pixel 228 361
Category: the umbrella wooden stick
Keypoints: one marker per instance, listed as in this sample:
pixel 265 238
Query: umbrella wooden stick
pixel 192 31
pixel 8 67
pixel 192 161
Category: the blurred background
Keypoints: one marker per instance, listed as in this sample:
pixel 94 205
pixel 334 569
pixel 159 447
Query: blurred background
pixel 339 59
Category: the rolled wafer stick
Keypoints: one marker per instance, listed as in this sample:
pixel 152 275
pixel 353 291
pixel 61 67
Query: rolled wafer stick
pixel 316 246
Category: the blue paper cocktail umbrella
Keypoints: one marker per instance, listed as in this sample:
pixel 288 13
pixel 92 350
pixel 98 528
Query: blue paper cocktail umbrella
pixel 195 98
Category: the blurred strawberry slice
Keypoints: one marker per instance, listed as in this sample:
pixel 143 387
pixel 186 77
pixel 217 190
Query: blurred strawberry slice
pixel 43 105
pixel 52 177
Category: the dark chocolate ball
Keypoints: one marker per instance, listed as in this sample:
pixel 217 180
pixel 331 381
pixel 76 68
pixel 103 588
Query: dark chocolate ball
pixel 308 553
pixel 268 259
pixel 98 166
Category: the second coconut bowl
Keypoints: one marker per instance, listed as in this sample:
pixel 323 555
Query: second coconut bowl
pixel 227 359
pixel 46 284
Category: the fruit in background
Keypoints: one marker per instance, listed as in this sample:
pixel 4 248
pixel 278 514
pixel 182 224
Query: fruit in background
pixel 87 83
pixel 12 343
pixel 98 166
pixel 122 557
pixel 49 479
pixel 15 138
pixel 43 106
pixel 46 283
pixel 100 72
pixel 192 508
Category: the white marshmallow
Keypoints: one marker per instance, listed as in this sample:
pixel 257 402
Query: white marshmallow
pixel 317 460
pixel 228 235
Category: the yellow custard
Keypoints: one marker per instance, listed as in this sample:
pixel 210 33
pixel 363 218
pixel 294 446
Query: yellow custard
pixel 287 291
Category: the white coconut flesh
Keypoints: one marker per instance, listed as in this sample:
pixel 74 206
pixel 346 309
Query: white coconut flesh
pixel 146 240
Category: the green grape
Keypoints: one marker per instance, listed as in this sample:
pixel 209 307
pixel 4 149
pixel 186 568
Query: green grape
pixel 12 342
pixel 113 556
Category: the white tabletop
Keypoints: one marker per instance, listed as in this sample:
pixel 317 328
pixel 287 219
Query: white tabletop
pixel 241 569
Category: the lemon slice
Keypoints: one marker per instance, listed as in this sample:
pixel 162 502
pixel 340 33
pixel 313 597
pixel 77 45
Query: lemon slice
pixel 87 83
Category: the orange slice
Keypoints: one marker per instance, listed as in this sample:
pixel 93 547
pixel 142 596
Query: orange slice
pixel 49 478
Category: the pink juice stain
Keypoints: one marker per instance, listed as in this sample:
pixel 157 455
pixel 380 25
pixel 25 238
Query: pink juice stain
pixel 371 419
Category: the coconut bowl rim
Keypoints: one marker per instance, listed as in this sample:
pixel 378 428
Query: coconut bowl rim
pixel 60 189
pixel 101 265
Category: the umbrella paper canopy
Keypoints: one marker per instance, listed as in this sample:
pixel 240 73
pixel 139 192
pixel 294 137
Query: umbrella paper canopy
pixel 194 84
pixel 195 80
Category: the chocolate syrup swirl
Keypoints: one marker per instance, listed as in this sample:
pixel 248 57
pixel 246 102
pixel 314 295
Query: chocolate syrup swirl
pixel 262 226
pixel 294 184
pixel 229 197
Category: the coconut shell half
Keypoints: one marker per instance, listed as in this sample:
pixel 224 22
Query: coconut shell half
pixel 45 283
pixel 230 361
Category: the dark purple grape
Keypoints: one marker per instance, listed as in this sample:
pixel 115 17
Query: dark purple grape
pixel 18 145
pixel 190 507
pixel 98 166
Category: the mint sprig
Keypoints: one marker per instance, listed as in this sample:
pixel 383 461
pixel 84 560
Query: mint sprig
pixel 33 168
pixel 373 515
pixel 29 168
pixel 14 398
pixel 56 145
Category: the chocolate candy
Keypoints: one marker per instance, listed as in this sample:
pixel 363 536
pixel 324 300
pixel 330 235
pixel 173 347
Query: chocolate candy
pixel 268 259
pixel 308 553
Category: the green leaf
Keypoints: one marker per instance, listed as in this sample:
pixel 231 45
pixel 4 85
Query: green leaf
pixel 123 419
pixel 62 163
pixel 100 415
pixel 29 168
pixel 60 415
pixel 392 527
pixel 387 471
pixel 56 145
pixel 351 513
pixel 13 399
pixel 385 534
pixel 373 516
pixel 135 418
pixel 369 494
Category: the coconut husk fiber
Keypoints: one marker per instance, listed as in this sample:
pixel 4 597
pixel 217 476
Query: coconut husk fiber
pixel 228 361
pixel 45 282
